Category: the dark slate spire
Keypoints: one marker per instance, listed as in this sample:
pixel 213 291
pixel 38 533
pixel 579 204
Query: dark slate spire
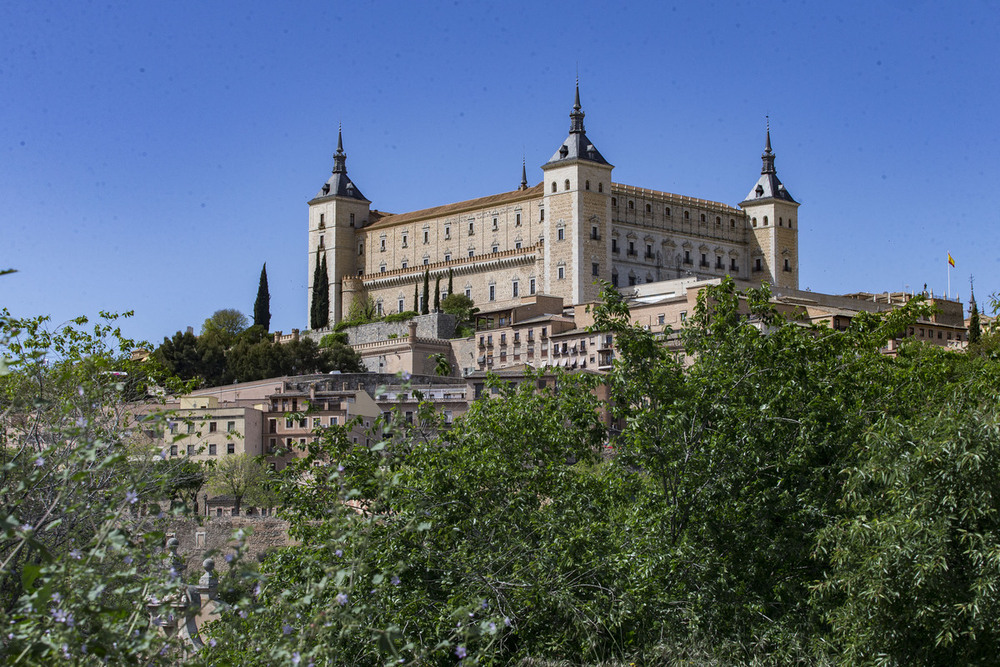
pixel 524 176
pixel 768 186
pixel 577 146
pixel 576 116
pixel 339 184
pixel 340 158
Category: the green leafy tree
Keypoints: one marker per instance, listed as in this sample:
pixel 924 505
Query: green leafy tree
pixel 975 326
pixel 180 355
pixel 451 281
pixel 78 555
pixel 442 366
pixel 262 305
pixel 240 476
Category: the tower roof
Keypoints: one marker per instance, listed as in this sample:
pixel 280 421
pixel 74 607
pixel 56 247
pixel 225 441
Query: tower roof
pixel 577 146
pixel 768 185
pixel 339 184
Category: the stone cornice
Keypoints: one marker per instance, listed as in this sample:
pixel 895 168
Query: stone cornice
pixel 460 266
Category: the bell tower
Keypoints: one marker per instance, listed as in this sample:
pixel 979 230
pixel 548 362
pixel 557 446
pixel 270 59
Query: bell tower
pixel 577 183
pixel 774 227
pixel 336 214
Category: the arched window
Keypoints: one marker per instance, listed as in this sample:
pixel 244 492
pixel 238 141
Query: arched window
pixel 789 223
pixel 718 220
pixel 631 204
pixel 765 221
pixel 667 211
pixel 614 202
pixel 649 208
pixel 687 216
pixel 587 186
pixel 703 217
pixel 566 184
pixel 753 222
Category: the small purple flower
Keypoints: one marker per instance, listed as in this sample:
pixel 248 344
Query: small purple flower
pixel 27 527
pixel 256 590
pixel 62 616
pixel 338 553
pixel 341 599
pixel 243 613
pixel 39 462
pixel 131 497
pixel 128 560
pixel 56 597
pixel 296 658
pixel 75 554
pixel 340 468
pixel 395 580
pixel 65 651
pixel 81 422
pixel 460 652
pixel 406 375
pixel 286 629
pixel 492 627
pixel 229 558
pixel 211 642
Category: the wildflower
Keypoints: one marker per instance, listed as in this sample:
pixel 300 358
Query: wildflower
pixel 341 599
pixel 39 462
pixel 131 497
pixel 492 627
pixel 340 468
pixel 56 597
pixel 128 560
pixel 296 658
pixel 65 651
pixel 338 553
pixel 229 558
pixel 63 616
pixel 211 642
pixel 460 652
pixel 75 554
pixel 395 580
pixel 27 527
pixel 286 629
pixel 81 422
pixel 256 590
pixel 243 613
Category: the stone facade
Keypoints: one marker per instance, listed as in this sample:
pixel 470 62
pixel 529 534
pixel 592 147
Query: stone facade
pixel 557 238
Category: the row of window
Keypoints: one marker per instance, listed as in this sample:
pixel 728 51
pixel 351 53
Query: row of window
pixel 213 427
pixel 212 449
pixel 586 186
pixel 781 222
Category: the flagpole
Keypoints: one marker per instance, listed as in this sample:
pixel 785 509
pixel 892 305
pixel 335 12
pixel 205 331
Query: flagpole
pixel 949 276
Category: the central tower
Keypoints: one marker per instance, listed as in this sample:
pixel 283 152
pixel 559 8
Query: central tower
pixel 577 205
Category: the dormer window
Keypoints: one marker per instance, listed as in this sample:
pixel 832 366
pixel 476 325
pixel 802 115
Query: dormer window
pixel 759 190
pixel 563 150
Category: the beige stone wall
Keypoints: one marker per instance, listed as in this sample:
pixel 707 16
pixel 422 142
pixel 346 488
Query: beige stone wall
pixel 213 537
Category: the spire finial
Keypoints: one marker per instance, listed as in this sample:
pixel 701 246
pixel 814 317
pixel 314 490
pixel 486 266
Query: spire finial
pixel 340 158
pixel 576 116
pixel 768 156
pixel 524 175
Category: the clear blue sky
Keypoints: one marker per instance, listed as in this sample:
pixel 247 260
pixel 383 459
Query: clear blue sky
pixel 155 155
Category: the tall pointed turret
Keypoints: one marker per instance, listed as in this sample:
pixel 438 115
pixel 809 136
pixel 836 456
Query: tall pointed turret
pixel 524 176
pixel 577 146
pixel 339 184
pixel 768 186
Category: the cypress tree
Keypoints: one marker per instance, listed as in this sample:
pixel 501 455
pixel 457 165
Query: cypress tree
pixel 451 287
pixel 416 297
pixel 426 307
pixel 319 314
pixel 314 307
pixel 437 294
pixel 975 328
pixel 262 306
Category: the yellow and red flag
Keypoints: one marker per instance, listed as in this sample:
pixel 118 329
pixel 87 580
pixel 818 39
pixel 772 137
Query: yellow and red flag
pixel 951 260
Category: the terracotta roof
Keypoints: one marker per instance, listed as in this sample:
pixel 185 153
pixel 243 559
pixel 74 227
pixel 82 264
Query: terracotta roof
pixel 468 205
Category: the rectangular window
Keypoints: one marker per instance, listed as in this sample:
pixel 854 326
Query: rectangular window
pixel 468 292
pixel 352 219
pixel 562 272
pixel 322 220
pixel 517 245
pixel 447 233
pixel 514 288
pixel 212 449
pixel 493 292
pixel 190 450
pixel 173 450
pixel 272 425
pixel 230 427
pixel 471 253
pixel 594 235
pixel 595 269
pixel 495 248
pixel 660 319
pixel 427 237
pixel 190 428
pixel 381 245
pixel 321 241
pixel 614 246
pixel 447 257
pixel 361 248
pixel 401 306
pixel 230 448
pixel 212 427
pixel 472 228
pixel 333 421
pixel 560 234
pixel 405 264
pixel 288 423
pixel 316 422
pixel 517 219
pixel 404 240
pixel 496 223
pixel 426 261
pixel 541 215
pixel 531 285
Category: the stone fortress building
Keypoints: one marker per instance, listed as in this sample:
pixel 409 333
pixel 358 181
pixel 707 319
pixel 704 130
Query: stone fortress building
pixel 556 238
